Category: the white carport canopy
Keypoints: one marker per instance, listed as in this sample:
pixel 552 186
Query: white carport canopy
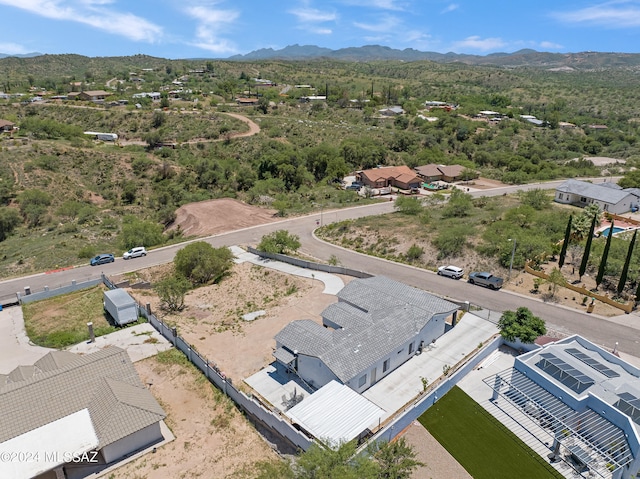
pixel 336 414
pixel 587 432
pixel 49 446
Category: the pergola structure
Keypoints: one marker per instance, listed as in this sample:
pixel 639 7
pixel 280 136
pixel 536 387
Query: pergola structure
pixel 585 439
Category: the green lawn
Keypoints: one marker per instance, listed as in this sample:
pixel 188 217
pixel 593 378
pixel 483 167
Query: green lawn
pixel 480 443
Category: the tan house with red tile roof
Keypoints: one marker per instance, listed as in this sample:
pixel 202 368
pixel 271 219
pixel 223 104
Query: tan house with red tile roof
pixel 401 177
pixel 433 172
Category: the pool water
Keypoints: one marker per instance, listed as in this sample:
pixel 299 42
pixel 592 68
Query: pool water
pixel 605 232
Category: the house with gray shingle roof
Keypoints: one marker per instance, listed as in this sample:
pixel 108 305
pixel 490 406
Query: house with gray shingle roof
pixel 68 406
pixel 608 196
pixel 376 326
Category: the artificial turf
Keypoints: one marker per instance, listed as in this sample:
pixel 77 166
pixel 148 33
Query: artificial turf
pixel 480 443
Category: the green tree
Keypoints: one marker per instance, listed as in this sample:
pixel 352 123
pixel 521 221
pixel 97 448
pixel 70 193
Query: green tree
pixel 137 232
pixel 460 204
pixel 33 205
pixel 630 180
pixel 565 243
pixel 201 263
pixel 9 219
pixel 396 460
pixel 408 205
pixel 587 247
pixel 171 292
pixel 605 255
pixel 339 462
pixel 279 242
pixel 536 198
pixel 521 324
pixel 414 252
pixel 627 262
pixel 555 280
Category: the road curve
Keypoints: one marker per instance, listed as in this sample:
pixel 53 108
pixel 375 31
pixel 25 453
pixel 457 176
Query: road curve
pixel 625 330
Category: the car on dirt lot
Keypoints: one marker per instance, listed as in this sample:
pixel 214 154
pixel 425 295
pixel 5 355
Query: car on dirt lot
pixel 451 271
pixel 102 259
pixel 135 252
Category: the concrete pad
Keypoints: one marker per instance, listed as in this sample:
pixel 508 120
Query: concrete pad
pixel 140 341
pixel 279 388
pixel 15 347
pixel 404 384
pixel 332 283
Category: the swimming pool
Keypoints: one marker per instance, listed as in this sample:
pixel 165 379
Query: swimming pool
pixel 605 232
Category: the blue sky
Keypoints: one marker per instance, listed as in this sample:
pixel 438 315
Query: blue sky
pixel 221 28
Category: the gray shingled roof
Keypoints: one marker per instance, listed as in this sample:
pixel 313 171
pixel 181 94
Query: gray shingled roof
pixel 377 315
pixel 605 192
pixel 104 382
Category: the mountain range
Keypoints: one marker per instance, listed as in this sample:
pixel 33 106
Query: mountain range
pixel 23 55
pixel 524 57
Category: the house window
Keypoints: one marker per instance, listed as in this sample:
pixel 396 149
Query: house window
pixel 561 196
pixel 385 366
pixel 362 381
pixel 606 207
pixel 583 199
pixel 410 348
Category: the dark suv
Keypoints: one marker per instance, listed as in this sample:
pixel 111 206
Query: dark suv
pixel 102 259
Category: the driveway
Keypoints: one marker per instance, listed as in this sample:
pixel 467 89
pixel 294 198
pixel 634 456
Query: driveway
pixel 15 347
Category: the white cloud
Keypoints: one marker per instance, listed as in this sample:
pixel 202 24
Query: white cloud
pixel 395 5
pixel 12 49
pixel 477 43
pixel 93 13
pixel 312 15
pixel 211 23
pixel 450 8
pixel 387 23
pixel 614 14
pixel 550 45
pixel 321 31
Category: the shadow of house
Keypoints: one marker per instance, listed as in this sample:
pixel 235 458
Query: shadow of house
pixel 376 326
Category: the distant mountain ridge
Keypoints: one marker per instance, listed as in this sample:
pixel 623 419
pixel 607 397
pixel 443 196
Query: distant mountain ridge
pixel 20 55
pixel 377 52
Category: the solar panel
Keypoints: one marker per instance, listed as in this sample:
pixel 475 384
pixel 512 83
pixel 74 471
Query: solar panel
pixel 630 405
pixel 565 373
pixel 631 399
pixel 595 364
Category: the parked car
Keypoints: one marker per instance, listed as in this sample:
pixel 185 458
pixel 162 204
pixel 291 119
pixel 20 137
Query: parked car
pixel 102 259
pixel 451 271
pixel 485 279
pixel 135 252
pixel 354 186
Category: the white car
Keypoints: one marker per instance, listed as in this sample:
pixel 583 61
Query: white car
pixel 135 252
pixel 451 271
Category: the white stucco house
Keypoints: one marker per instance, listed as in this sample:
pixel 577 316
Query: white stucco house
pixel 581 400
pixel 377 325
pixel 608 196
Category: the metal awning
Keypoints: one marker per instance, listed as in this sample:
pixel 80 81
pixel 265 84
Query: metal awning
pixel 603 446
pixel 284 356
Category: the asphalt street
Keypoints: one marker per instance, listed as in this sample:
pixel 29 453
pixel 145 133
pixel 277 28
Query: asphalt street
pixel 625 331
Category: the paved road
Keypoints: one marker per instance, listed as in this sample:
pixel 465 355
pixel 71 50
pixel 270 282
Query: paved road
pixel 626 331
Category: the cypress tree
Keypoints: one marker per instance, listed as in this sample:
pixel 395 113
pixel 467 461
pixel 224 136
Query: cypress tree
pixel 587 248
pixel 625 268
pixel 567 237
pixel 605 254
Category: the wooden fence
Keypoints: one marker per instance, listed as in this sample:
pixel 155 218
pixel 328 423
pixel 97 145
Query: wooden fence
pixel 626 307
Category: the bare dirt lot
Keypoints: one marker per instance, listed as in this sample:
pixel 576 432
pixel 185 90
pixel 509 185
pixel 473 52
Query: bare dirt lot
pixel 217 216
pixel 213 440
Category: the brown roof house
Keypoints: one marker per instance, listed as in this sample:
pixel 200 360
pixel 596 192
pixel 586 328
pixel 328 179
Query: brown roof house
pixel 401 177
pixel 93 95
pixel 448 173
pixel 6 125
pixel 71 415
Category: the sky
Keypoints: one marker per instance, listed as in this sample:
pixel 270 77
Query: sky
pixel 177 29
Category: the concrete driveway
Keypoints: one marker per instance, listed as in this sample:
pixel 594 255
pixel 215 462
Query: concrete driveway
pixel 15 347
